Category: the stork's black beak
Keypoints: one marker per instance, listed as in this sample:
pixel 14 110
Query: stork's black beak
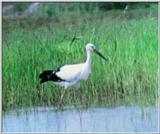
pixel 98 53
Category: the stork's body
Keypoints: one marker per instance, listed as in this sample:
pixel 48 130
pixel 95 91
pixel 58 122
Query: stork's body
pixel 70 75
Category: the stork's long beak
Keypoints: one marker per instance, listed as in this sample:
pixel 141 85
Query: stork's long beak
pixel 98 53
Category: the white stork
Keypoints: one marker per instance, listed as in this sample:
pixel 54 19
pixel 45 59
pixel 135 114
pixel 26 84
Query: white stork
pixel 71 74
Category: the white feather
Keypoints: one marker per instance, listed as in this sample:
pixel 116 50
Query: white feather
pixel 70 72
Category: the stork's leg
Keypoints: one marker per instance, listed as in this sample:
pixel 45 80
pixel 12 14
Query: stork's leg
pixel 62 96
pixel 81 96
pixel 80 92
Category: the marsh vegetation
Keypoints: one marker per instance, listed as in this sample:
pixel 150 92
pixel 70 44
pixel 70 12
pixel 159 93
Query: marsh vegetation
pixel 34 43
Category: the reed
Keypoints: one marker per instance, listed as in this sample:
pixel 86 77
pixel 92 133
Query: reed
pixel 33 45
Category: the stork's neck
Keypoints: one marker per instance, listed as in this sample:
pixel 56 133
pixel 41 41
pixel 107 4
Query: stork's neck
pixel 88 61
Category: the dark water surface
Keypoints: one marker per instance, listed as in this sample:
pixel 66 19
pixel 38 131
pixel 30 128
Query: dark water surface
pixel 117 119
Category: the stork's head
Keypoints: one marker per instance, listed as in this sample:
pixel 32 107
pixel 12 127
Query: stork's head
pixel 92 48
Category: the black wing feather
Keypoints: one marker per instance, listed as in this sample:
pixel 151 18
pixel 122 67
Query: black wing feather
pixel 50 75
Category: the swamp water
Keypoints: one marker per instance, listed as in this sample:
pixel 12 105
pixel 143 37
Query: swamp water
pixel 116 119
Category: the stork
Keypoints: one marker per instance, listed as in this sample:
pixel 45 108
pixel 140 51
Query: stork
pixel 71 74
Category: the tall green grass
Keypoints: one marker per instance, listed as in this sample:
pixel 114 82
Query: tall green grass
pixel 31 46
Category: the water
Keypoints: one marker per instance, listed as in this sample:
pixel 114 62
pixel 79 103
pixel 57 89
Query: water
pixel 118 119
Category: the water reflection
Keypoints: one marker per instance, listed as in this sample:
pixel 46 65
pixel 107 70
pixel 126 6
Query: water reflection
pixel 119 119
